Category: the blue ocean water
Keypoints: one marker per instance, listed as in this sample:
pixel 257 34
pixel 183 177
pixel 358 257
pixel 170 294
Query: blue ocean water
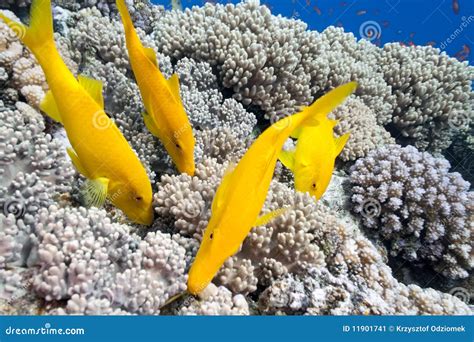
pixel 446 24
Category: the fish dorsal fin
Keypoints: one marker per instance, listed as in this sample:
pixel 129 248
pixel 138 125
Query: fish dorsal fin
pixel 287 158
pixel 151 55
pixel 93 87
pixel 49 106
pixel 264 219
pixel 150 124
pixel 77 162
pixel 95 191
pixel 341 142
pixel 173 83
pixel 223 188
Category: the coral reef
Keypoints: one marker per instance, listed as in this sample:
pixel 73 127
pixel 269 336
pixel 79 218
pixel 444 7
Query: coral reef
pixel 412 201
pixel 216 301
pixel 281 256
pixel 34 167
pixel 358 119
pixel 321 293
pixel 277 65
pixel 100 267
pixel 236 64
pixel 22 74
pixel 434 94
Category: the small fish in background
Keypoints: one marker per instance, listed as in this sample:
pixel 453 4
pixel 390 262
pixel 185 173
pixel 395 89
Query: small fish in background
pixel 99 150
pixel 312 161
pixel 455 5
pixel 385 23
pixel 317 10
pixel 165 116
pixel 176 5
pixel 464 53
pixel 361 12
pixel 243 190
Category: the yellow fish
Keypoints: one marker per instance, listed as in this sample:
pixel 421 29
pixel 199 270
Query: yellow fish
pixel 313 159
pixel 165 117
pixel 243 189
pixel 99 150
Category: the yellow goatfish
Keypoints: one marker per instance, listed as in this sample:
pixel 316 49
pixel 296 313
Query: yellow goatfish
pixel 165 117
pixel 243 189
pixel 99 150
pixel 312 161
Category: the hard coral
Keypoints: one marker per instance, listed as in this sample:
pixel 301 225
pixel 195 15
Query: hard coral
pixel 81 253
pixel 412 201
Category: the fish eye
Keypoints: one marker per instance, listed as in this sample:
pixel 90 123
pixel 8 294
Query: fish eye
pixel 211 236
pixel 139 198
pixel 177 146
pixel 314 186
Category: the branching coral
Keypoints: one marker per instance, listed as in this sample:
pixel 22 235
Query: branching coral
pixel 321 293
pixel 81 253
pixel 33 165
pixel 433 91
pixel 274 63
pixel 358 119
pixel 218 301
pixel 26 76
pixel 304 241
pixel 412 201
pixel 205 104
pixel 311 260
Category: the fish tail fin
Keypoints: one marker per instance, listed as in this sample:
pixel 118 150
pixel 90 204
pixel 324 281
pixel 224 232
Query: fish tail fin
pixel 126 18
pixel 40 32
pixel 313 114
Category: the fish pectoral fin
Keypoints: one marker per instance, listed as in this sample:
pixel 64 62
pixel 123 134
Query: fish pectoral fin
pixel 287 158
pixel 223 187
pixel 173 83
pixel 150 124
pixel 93 87
pixel 151 55
pixel 296 133
pixel 341 142
pixel 264 219
pixel 76 162
pixel 49 106
pixel 95 191
pixel 334 123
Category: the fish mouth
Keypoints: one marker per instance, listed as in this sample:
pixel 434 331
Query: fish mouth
pixel 196 286
pixel 189 169
pixel 146 218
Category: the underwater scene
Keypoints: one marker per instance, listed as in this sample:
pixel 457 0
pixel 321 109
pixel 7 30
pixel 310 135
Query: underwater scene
pixel 295 157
